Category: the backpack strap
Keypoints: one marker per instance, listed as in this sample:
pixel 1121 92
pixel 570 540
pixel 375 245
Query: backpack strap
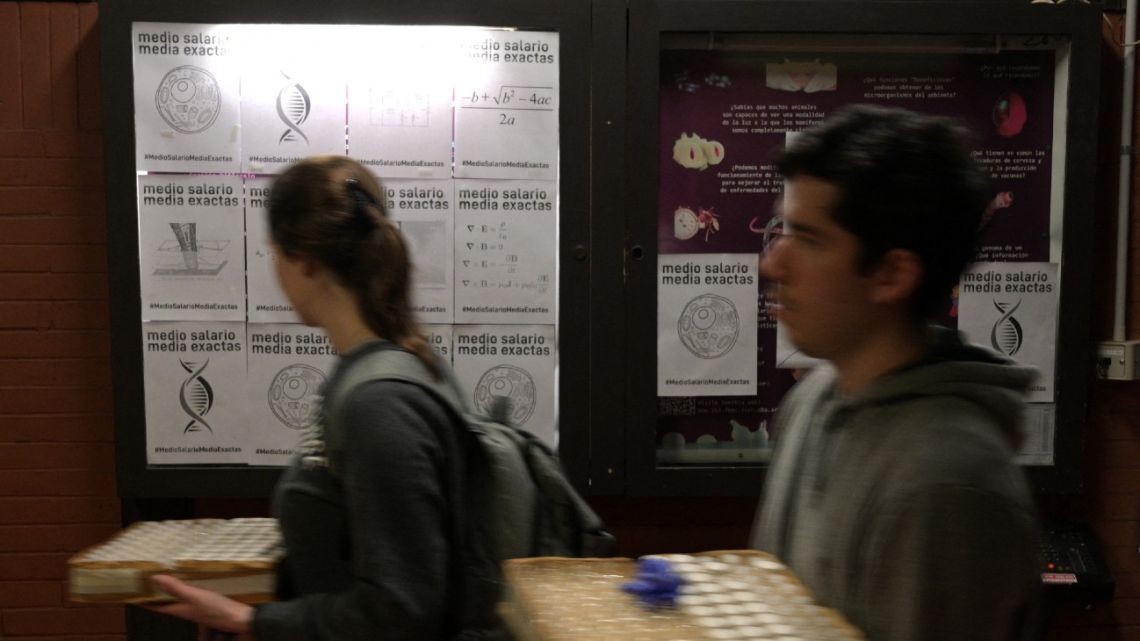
pixel 388 365
pixel 400 365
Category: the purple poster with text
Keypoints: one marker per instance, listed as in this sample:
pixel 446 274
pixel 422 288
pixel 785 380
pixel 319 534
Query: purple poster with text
pixel 724 116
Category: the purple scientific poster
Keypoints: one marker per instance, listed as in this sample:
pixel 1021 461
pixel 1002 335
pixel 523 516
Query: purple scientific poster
pixel 724 116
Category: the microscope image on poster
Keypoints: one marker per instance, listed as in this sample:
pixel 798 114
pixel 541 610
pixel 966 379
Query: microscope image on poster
pixel 188 98
pixel 506 384
pixel 294 395
pixel 709 326
pixel 189 256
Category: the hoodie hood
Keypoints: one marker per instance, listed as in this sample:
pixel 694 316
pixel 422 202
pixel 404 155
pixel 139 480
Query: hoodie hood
pixel 953 368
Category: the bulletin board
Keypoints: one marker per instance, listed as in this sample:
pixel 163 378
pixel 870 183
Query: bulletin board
pixel 630 143
pixel 720 97
pixel 472 120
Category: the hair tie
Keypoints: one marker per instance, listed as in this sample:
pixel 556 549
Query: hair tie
pixel 362 200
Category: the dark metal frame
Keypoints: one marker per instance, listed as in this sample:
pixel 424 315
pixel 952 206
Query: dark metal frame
pixel 137 480
pixel 607 236
pixel 650 18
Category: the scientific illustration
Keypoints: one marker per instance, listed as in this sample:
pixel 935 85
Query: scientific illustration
pixel 512 384
pixel 294 395
pixel 293 108
pixel 188 98
pixel 709 326
pixel 195 257
pixel 196 397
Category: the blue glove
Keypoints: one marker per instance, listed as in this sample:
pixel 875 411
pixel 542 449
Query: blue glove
pixel 656 584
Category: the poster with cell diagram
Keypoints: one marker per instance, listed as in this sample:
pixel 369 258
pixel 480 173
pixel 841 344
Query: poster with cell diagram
pixel 706 315
pixel 506 105
pixel 440 339
pixel 194 379
pixel 512 363
pixel 288 365
pixel 505 251
pixel 293 102
pixel 424 211
pixel 191 247
pixel 186 97
pixel 1011 308
pixel 266 300
pixel 400 115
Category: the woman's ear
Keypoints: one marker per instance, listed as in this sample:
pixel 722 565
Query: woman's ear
pixel 897 277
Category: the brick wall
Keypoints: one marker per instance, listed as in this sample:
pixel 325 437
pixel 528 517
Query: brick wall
pixel 57 490
pixel 57 462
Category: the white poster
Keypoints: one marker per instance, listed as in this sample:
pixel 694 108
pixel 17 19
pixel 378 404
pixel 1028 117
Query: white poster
pixel 288 365
pixel 400 115
pixel 506 106
pixel 186 97
pixel 293 102
pixel 706 324
pixel 506 251
pixel 440 339
pixel 267 301
pixel 194 376
pixel 1012 309
pixel 515 363
pixel 1040 426
pixel 190 247
pixel 425 213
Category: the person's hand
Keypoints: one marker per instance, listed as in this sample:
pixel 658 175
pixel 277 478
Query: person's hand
pixel 203 606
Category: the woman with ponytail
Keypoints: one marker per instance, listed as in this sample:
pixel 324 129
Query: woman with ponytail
pixel 370 526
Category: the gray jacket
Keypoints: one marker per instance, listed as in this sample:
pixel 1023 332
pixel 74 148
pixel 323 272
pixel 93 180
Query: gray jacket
pixel 900 505
pixel 371 550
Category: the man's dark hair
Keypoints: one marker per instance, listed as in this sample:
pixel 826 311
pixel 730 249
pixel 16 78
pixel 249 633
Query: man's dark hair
pixel 906 181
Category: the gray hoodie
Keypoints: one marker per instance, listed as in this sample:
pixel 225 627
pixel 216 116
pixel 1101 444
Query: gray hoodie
pixel 901 506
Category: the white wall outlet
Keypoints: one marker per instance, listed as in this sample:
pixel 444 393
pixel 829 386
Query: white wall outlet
pixel 1116 360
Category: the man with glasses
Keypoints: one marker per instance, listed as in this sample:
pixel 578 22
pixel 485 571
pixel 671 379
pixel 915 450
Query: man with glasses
pixel 893 493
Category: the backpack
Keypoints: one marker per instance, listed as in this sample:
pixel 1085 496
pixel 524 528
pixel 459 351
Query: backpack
pixel 517 501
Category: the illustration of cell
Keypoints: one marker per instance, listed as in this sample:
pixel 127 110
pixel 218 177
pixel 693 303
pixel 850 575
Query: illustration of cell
pixel 673 441
pixel 294 395
pixel 1010 114
pixel 195 257
pixel 694 152
pixel 706 442
pixel 688 153
pixel 188 98
pixel 1006 333
pixel 714 151
pixel 293 108
pixel 709 326
pixel 511 383
pixel 196 397
pixel 807 76
pixel 743 437
pixel 685 223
